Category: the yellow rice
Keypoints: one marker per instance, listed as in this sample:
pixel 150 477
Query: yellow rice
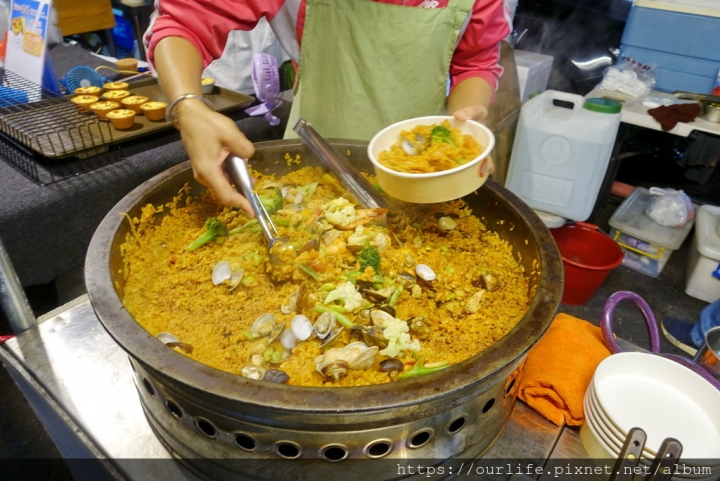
pixel 430 156
pixel 169 289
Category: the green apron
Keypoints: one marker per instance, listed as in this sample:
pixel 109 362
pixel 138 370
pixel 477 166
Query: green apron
pixel 365 65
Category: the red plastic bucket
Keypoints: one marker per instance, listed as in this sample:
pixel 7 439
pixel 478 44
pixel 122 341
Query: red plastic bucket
pixel 588 257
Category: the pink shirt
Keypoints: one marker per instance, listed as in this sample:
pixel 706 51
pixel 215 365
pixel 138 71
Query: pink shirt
pixel 207 24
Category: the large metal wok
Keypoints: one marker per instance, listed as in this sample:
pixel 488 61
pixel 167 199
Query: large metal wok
pixel 228 427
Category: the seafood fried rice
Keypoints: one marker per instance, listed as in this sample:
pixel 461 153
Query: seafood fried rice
pixel 347 300
pixel 430 148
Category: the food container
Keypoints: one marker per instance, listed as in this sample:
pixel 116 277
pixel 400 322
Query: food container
pixel 561 151
pixel 703 270
pixel 647 244
pixel 434 186
pixel 710 112
pixel 127 64
pixel 226 426
pixel 208 85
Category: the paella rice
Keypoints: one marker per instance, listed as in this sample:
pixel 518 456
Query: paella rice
pixel 436 289
pixel 430 148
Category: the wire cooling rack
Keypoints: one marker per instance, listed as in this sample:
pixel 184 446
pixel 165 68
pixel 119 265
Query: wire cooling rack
pixel 46 137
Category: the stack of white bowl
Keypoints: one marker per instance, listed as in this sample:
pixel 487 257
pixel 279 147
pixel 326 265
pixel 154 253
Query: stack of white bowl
pixel 662 397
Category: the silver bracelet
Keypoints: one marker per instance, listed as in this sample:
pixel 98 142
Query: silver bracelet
pixel 170 112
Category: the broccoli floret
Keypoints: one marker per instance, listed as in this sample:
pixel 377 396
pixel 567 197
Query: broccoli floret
pixel 216 231
pixel 441 134
pixel 369 256
pixel 272 202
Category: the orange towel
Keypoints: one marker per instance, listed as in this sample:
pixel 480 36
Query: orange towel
pixel 559 369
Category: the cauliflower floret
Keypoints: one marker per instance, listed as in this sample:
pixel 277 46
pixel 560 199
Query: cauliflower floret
pixel 361 236
pixel 381 241
pixel 340 212
pixel 346 292
pixel 397 334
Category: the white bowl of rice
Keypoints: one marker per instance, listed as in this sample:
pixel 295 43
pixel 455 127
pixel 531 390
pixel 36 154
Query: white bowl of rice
pixel 442 159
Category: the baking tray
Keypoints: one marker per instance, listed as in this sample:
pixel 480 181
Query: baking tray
pixel 222 99
pixel 56 129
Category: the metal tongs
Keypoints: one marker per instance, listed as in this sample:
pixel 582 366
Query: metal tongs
pixel 238 172
pixel 348 175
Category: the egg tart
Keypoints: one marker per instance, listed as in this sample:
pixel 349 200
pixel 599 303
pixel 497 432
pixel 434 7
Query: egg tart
pixel 122 119
pixel 116 86
pixel 84 101
pixel 102 108
pixel 133 102
pixel 115 95
pixel 154 110
pixel 90 90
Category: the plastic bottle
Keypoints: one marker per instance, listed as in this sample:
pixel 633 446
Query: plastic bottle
pixel 716 90
pixel 561 152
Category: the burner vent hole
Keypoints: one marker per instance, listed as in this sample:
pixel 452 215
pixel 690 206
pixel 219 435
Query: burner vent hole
pixel 148 387
pixel 206 427
pixel 510 386
pixel 335 453
pixel 379 448
pixel 288 450
pixel 456 425
pixel 418 439
pixel 174 409
pixel 245 441
pixel 488 406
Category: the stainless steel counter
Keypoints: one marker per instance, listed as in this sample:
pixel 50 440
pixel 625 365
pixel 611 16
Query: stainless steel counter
pixel 80 383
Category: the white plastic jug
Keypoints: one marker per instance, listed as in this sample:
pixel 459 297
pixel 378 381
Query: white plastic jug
pixel 562 149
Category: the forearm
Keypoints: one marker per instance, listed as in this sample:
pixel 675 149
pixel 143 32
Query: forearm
pixel 179 67
pixel 471 92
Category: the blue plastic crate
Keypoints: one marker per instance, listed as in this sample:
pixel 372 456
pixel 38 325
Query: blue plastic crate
pixel 683 46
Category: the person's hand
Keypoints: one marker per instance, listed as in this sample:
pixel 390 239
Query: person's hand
pixel 477 113
pixel 209 137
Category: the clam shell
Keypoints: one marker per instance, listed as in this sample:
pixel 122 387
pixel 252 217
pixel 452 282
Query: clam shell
pixel 447 223
pixel 334 370
pixel 406 279
pixel 381 318
pixel 392 364
pixel 473 304
pixel 276 332
pixel 365 358
pixel 263 325
pixel 221 272
pixel 324 325
pixel 425 272
pixel 332 336
pixel 253 372
pixel 298 299
pixel 236 278
pixel 167 338
pixel 301 327
pixel 419 327
pixel 276 375
pixel 288 339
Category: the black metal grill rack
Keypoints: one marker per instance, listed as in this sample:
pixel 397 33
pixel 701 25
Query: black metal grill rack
pixel 46 137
